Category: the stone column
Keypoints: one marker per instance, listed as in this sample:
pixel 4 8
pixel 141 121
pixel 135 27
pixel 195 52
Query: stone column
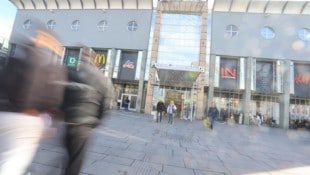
pixel 202 63
pixel 152 72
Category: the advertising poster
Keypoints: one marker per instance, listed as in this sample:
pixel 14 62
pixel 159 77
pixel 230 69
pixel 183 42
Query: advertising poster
pixel 128 65
pixel 228 73
pixel 264 77
pixel 302 80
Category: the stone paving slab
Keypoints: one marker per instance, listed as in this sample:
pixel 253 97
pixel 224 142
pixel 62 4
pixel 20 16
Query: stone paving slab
pixel 129 143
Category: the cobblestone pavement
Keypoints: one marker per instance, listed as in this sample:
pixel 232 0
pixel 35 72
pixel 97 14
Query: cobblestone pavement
pixel 129 143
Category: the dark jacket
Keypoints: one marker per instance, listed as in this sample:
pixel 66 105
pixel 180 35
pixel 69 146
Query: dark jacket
pixel 88 94
pixel 212 112
pixel 160 106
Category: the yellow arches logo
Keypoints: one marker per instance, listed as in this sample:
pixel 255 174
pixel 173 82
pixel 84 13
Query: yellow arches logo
pixel 100 59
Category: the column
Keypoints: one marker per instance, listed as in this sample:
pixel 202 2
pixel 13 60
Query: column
pixel 141 81
pixel 152 72
pixel 247 89
pixel 211 79
pixel 285 96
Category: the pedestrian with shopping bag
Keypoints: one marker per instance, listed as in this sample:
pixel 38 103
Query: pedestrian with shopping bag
pixel 212 113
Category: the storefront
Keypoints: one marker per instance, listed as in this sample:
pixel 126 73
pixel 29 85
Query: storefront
pixel 300 101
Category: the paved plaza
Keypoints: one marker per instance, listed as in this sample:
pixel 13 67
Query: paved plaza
pixel 129 143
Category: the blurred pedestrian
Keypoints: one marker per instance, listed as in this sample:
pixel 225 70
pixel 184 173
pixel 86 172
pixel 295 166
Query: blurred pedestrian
pixel 126 103
pixel 88 95
pixel 212 113
pixel 32 93
pixel 160 109
pixel 171 110
pixel 187 111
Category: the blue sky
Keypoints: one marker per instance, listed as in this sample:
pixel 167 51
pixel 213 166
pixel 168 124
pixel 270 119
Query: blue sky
pixel 7 16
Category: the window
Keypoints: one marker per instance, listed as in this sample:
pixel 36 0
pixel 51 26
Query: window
pixel 132 26
pixel 27 24
pixel 51 24
pixel 75 25
pixel 267 33
pixel 102 25
pixel 231 31
pixel 304 34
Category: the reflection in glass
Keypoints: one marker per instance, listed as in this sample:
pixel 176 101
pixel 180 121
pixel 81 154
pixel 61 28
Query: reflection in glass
pixel 304 34
pixel 267 33
pixel 179 42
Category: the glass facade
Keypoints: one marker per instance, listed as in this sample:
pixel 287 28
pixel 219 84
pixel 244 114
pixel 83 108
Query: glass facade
pixel 179 42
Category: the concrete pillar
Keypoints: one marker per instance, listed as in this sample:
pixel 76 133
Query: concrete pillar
pixel 247 90
pixel 211 79
pixel 141 82
pixel 112 62
pixel 285 96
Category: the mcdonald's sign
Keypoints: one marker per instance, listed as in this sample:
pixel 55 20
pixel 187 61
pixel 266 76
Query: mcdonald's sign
pixel 100 59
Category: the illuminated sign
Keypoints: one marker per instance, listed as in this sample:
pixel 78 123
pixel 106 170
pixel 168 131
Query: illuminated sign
pixel 100 60
pixel 228 73
pixel 129 64
pixel 71 61
pixel 302 79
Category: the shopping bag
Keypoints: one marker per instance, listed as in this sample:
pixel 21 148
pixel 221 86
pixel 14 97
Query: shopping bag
pixel 206 122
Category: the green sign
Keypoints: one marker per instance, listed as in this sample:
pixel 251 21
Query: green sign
pixel 71 61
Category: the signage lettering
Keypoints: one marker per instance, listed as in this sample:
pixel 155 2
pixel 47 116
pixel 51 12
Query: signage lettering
pixel 302 79
pixel 100 59
pixel 71 61
pixel 228 73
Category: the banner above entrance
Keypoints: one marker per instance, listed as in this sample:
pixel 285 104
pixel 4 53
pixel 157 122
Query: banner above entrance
pixel 177 76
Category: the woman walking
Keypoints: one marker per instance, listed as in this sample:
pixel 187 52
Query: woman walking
pixel 171 112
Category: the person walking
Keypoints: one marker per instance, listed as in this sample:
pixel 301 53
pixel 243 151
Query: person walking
pixel 171 109
pixel 160 109
pixel 212 113
pixel 88 95
pixel 187 111
pixel 31 95
pixel 126 104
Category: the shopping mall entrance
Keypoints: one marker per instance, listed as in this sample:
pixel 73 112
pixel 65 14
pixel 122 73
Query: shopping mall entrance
pixel 177 84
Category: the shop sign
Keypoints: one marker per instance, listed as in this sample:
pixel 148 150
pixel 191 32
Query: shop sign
pixel 71 61
pixel 129 64
pixel 100 60
pixel 302 79
pixel 228 72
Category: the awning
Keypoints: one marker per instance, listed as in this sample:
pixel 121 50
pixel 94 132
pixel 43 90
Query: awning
pixel 177 76
pixel 83 4
pixel 263 6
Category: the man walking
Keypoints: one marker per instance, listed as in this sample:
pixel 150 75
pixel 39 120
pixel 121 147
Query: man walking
pixel 88 95
pixel 160 109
